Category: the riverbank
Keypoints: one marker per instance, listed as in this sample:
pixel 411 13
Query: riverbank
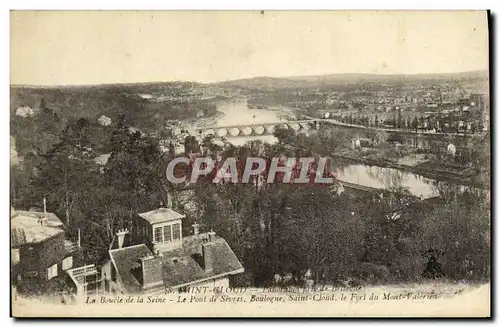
pixel 207 121
pixel 421 169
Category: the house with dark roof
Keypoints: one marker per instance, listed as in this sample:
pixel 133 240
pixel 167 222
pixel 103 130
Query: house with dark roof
pixel 155 256
pixel 40 251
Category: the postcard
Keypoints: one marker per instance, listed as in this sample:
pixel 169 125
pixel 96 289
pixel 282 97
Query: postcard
pixel 250 164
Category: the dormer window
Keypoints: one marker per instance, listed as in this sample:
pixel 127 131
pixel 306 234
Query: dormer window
pixel 164 226
pixel 167 233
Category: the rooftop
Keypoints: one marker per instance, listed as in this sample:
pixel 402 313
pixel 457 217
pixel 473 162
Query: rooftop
pixel 26 227
pixel 161 215
pixel 180 266
pixel 125 259
pixel 52 219
pixel 127 241
pixel 102 160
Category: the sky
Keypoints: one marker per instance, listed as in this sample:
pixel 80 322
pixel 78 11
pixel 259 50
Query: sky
pixel 94 47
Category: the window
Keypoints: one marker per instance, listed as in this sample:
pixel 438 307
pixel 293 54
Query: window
pixel 14 254
pixel 52 271
pixel 157 234
pixel 67 263
pixel 167 234
pixel 176 231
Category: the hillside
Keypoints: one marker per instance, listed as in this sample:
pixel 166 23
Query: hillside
pixel 264 82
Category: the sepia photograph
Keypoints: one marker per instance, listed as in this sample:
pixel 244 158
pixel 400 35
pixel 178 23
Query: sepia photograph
pixel 264 163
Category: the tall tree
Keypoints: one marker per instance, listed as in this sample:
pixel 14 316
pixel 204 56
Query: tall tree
pixel 64 174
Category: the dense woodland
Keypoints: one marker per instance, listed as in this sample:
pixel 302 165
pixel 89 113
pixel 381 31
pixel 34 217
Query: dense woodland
pixel 275 229
pixel 111 101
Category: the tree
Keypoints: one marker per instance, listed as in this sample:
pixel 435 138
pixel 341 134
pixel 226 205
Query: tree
pixel 133 181
pixel 43 104
pixel 398 138
pixel 320 233
pixel 135 170
pixel 381 136
pixel 64 175
pixel 119 135
pixel 421 121
pixel 460 228
pixel 191 144
pixel 392 225
pixel 415 123
pixel 208 143
pixel 284 135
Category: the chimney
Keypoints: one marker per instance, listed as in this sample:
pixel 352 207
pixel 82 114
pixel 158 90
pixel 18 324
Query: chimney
pixel 79 239
pixel 196 228
pixel 211 236
pixel 207 253
pixel 121 237
pixel 169 201
pixel 152 270
pixel 44 218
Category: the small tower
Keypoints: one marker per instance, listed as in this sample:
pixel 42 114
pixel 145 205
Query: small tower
pixel 163 228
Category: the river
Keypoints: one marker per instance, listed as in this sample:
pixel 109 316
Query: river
pixel 385 178
pixel 237 112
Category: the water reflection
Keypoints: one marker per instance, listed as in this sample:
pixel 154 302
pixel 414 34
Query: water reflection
pixel 418 185
pixel 385 178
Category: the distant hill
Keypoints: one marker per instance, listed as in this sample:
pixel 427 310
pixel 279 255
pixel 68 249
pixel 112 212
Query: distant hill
pixel 135 87
pixel 333 79
pixel 264 82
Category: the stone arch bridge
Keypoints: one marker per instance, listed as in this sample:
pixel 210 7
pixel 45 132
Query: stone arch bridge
pixel 411 138
pixel 257 129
